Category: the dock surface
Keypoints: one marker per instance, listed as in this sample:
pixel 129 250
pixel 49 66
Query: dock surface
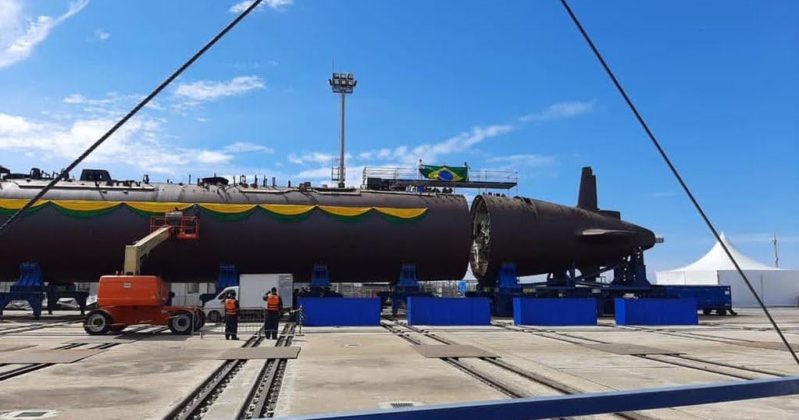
pixel 147 373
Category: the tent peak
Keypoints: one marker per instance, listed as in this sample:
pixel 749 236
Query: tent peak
pixel 716 259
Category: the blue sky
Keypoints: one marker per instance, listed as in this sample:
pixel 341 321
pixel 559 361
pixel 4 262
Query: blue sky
pixel 502 85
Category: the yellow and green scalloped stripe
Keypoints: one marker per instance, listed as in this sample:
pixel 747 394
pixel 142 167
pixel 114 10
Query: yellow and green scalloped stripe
pixel 222 211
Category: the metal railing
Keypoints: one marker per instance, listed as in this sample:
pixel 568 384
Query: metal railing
pixel 391 173
pixel 475 175
pixel 251 321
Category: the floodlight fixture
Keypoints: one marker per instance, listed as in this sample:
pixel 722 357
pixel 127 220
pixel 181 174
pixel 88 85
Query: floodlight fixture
pixel 343 83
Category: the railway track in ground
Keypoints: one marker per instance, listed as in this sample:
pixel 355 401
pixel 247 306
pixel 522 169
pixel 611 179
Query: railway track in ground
pixel 136 331
pixel 263 392
pixel 28 328
pixel 511 391
pixel 24 368
pixel 263 396
pixel 674 359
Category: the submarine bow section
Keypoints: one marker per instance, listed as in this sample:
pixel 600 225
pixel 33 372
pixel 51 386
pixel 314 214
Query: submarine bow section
pixel 541 237
pixel 79 232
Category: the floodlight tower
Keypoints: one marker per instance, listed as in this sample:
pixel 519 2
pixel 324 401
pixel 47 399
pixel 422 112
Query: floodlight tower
pixel 343 84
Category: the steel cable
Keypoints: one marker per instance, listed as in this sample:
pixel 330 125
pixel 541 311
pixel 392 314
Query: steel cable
pixel 676 174
pixel 129 115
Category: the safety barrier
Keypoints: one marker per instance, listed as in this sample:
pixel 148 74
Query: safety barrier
pixel 250 322
pixel 424 310
pixel 340 312
pixel 656 311
pixel 554 311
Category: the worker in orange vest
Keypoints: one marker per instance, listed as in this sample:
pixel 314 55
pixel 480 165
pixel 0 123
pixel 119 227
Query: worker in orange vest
pixel 231 316
pixel 274 306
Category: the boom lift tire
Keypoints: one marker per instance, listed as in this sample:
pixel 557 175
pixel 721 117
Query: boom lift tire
pixel 181 323
pixel 97 322
pixel 214 317
pixel 199 319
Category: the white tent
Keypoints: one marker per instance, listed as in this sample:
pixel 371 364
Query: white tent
pixel 777 287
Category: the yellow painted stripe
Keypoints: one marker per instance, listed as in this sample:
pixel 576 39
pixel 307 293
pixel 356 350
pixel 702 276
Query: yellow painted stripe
pixel 156 207
pixel 402 213
pixel 163 207
pixel 85 205
pixel 345 211
pixel 287 209
pixel 17 203
pixel 228 208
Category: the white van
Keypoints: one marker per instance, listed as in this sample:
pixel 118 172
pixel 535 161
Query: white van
pixel 250 292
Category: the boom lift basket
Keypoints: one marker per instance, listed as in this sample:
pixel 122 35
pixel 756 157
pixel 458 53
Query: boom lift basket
pixel 183 227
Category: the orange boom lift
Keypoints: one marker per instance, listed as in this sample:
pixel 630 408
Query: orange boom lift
pixel 133 298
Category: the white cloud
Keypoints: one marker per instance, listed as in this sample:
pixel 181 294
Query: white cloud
pixel 192 94
pixel 459 143
pixel 137 144
pixel 274 4
pixel 354 175
pixel 18 40
pixel 78 99
pixel 112 105
pixel 101 35
pixel 314 174
pixel 558 111
pixel 211 156
pixel 245 147
pixel 12 125
pixel 313 157
pixel 433 152
pixel 10 12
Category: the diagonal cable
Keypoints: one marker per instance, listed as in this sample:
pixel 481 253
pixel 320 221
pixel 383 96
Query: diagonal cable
pixel 130 115
pixel 676 174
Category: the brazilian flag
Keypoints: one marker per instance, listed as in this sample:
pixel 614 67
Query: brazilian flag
pixel 444 172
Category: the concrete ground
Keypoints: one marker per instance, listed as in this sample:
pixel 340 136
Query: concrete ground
pixel 340 369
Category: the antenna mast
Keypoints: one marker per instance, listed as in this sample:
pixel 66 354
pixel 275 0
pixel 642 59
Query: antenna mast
pixel 776 252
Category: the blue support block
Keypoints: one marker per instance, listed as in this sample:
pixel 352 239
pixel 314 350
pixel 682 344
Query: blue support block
pixel 448 311
pixel 320 277
pixel 29 286
pixel 407 278
pixel 30 275
pixel 651 311
pixel 554 311
pixel 408 285
pixel 503 304
pixel 707 297
pixel 227 277
pixel 340 312
pixel 463 287
pixel 507 281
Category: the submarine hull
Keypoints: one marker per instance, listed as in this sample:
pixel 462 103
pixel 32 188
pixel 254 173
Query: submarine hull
pixel 368 248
